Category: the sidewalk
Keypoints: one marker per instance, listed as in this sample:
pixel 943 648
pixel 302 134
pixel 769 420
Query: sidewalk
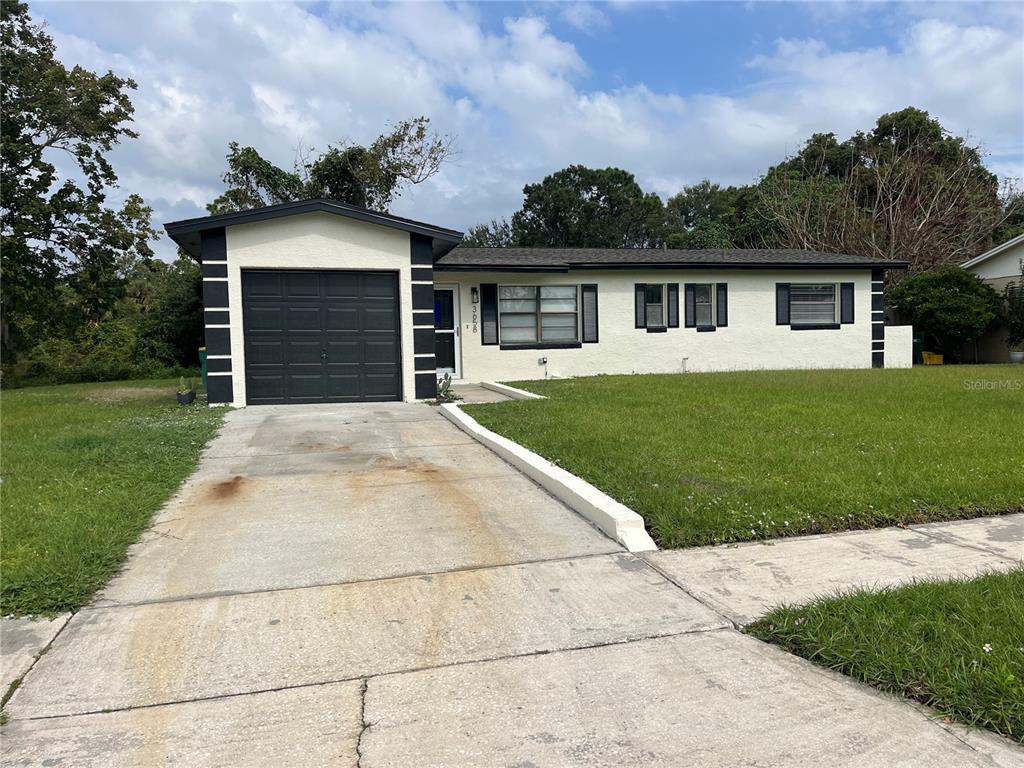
pixel 744 581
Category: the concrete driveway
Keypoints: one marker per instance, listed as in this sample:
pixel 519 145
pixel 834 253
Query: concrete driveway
pixel 363 585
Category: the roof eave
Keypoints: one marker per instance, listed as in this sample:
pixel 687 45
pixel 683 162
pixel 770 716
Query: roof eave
pixel 186 232
pixel 993 252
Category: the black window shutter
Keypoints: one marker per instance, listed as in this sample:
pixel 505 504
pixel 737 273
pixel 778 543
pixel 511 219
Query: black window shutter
pixel 782 303
pixel 689 306
pixel 722 304
pixel 641 305
pixel 589 314
pixel 846 302
pixel 673 305
pixel 489 313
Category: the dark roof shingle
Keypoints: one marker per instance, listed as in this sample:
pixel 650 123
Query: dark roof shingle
pixel 463 257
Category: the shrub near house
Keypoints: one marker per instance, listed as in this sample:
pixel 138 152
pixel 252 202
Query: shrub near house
pixel 951 306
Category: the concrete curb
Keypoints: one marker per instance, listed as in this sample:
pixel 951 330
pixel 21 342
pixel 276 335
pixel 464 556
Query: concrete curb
pixel 616 520
pixel 512 392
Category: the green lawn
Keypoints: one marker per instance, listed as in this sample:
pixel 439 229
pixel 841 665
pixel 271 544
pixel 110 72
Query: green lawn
pixel 84 467
pixel 721 457
pixel 956 646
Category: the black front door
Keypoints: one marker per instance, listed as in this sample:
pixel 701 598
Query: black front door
pixel 444 330
pixel 327 336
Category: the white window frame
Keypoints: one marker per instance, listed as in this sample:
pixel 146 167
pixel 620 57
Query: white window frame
pixel 835 304
pixel 539 314
pixel 663 304
pixel 712 304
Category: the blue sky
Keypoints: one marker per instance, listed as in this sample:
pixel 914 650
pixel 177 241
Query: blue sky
pixel 673 92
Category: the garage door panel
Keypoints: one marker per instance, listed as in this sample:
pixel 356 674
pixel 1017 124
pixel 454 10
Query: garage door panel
pixel 302 285
pixel 265 318
pixel 304 352
pixel 260 387
pixel 304 318
pixel 306 386
pixel 345 386
pixel 263 285
pixel 264 352
pixel 321 336
pixel 341 285
pixel 380 318
pixel 341 319
pixel 344 352
pixel 380 286
pixel 380 351
pixel 379 384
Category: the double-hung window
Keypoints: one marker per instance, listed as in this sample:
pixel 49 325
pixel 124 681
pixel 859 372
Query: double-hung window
pixel 654 301
pixel 704 304
pixel 531 314
pixel 812 304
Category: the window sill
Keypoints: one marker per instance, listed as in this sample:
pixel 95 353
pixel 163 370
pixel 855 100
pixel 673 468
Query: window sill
pixel 547 345
pixel 657 329
pixel 816 327
pixel 706 328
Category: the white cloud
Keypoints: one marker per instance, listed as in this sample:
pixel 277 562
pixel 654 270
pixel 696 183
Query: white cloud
pixel 585 17
pixel 518 98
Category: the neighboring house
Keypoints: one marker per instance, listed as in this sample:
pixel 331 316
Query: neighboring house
pixel 998 267
pixel 318 301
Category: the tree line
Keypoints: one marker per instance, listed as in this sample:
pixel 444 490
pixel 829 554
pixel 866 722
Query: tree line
pixel 83 296
pixel 907 190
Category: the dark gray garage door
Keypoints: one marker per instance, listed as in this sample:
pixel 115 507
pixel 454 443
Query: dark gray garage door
pixel 313 337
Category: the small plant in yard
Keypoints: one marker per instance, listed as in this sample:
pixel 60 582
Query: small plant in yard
pixel 445 393
pixel 186 391
pixel 956 646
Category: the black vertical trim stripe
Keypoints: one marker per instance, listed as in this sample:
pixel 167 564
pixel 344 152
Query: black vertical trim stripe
pixel 219 389
pixel 846 303
pixel 589 332
pixel 640 304
pixel 673 305
pixel 722 304
pixel 215 294
pixel 689 305
pixel 422 297
pixel 489 313
pixel 426 385
pixel 782 303
pixel 421 250
pixel 218 341
pixel 213 245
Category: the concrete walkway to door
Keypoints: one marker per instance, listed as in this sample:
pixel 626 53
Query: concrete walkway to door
pixel 365 586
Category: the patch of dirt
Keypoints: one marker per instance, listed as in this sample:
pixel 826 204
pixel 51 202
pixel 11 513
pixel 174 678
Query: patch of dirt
pixel 130 393
pixel 226 489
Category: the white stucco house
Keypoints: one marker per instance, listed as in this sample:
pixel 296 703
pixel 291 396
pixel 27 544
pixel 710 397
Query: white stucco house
pixel 318 301
pixel 998 267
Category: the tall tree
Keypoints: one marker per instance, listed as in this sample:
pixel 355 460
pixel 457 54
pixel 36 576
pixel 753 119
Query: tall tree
pixel 906 190
pixel 708 215
pixel 497 233
pixel 56 127
pixel 585 207
pixel 368 176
